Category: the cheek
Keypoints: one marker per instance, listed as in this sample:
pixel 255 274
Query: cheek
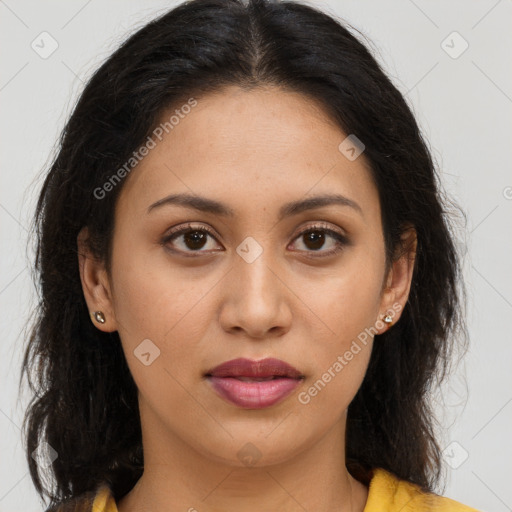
pixel 158 325
pixel 348 299
pixel 168 306
pixel 340 359
pixel 347 302
pixel 153 296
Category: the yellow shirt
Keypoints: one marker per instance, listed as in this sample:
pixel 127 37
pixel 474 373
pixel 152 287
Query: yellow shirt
pixel 386 493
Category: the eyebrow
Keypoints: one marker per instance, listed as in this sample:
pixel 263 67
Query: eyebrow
pixel 206 205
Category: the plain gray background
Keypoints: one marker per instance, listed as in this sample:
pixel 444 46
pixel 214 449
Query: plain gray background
pixel 463 102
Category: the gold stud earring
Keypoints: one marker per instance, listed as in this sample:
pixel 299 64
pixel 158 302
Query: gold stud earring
pixel 388 320
pixel 98 316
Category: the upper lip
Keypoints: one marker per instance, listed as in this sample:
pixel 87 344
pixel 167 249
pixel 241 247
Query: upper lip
pixel 242 367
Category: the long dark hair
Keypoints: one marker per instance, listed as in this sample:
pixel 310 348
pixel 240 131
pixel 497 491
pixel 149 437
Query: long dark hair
pixel 85 400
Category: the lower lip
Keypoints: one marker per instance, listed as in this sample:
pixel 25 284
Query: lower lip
pixel 255 394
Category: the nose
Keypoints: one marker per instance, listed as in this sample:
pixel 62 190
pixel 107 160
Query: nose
pixel 256 299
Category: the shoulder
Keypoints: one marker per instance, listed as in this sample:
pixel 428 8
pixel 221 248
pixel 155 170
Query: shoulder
pixel 97 500
pixel 388 493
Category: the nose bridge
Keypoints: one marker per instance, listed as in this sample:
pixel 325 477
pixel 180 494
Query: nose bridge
pixel 254 265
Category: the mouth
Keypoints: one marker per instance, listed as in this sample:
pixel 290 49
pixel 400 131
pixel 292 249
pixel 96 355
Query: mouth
pixel 253 384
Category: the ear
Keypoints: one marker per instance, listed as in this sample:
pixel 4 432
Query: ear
pixel 398 281
pixel 95 284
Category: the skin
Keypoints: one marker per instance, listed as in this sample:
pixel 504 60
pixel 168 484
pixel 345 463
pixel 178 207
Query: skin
pixel 254 151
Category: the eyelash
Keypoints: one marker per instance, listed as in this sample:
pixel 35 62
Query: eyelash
pixel 341 240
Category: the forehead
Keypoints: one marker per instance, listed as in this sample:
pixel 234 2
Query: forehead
pixel 253 147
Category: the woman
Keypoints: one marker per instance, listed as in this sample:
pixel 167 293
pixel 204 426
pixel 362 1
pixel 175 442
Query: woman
pixel 248 280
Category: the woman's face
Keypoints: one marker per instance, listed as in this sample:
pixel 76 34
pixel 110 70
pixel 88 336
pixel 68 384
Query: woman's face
pixel 249 284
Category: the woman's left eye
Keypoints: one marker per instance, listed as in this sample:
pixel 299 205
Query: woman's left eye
pixel 193 239
pixel 314 238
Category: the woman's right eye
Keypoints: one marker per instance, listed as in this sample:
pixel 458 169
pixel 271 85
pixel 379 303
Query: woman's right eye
pixel 193 239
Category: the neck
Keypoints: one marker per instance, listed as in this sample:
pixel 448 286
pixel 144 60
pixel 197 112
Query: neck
pixel 178 477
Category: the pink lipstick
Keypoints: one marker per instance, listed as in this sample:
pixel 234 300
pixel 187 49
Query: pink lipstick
pixel 254 384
